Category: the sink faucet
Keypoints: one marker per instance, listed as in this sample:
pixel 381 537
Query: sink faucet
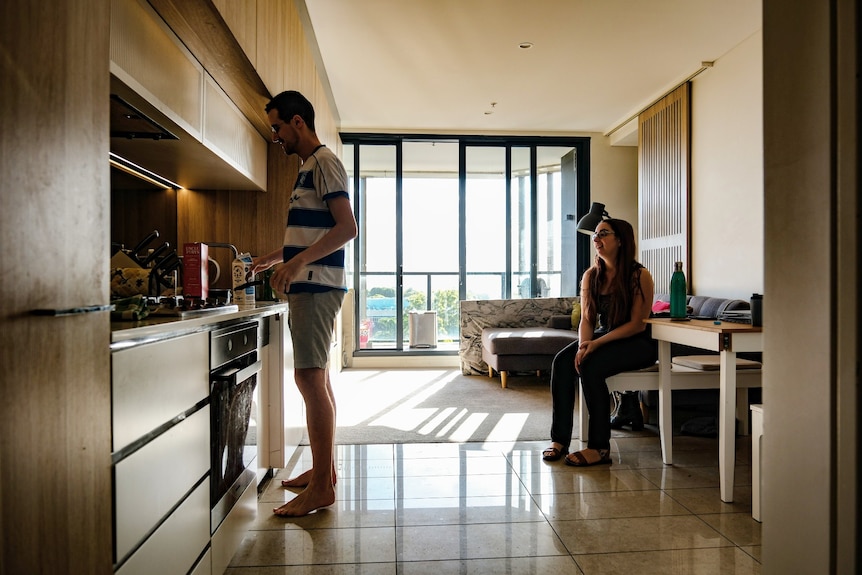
pixel 221 245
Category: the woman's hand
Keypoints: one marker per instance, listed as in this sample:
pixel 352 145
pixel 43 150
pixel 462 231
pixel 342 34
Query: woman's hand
pixel 584 349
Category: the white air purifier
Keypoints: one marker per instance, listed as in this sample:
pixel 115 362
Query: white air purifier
pixel 423 328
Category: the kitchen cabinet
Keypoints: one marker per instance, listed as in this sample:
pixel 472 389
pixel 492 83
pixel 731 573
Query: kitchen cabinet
pixel 161 438
pixel 283 409
pixel 153 383
pixel 161 454
pixel 206 142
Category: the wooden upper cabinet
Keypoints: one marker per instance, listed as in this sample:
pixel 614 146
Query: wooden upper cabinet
pixel 147 57
pixel 227 132
pixel 219 145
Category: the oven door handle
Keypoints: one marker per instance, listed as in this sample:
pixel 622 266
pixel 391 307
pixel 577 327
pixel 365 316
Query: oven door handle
pixel 237 377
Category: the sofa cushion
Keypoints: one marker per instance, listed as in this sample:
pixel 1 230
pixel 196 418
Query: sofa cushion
pixel 526 340
pixel 560 321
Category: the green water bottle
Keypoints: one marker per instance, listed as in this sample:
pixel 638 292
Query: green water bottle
pixel 677 292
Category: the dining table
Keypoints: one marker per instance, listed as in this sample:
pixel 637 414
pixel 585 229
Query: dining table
pixel 726 338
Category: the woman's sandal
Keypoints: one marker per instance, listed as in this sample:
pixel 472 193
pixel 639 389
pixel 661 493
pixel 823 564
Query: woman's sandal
pixel 587 457
pixel 553 454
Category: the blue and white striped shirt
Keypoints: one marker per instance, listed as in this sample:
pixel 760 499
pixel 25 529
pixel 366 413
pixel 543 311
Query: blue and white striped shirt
pixel 321 177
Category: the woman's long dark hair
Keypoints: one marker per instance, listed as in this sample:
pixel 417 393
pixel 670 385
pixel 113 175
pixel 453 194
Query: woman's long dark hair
pixel 627 282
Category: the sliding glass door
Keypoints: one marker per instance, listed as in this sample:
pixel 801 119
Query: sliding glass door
pixel 442 220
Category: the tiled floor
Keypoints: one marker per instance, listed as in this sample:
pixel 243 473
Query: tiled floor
pixel 473 508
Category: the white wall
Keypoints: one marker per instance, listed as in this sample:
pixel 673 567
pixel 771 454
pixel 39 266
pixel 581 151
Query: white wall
pixel 727 175
pixel 614 178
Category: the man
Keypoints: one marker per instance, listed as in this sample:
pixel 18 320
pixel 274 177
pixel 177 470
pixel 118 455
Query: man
pixel 310 270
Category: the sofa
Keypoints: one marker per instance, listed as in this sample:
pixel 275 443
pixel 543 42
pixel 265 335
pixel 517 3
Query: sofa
pixel 528 342
pixel 507 315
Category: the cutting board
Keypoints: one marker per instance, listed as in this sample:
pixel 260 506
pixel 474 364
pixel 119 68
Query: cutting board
pixel 121 260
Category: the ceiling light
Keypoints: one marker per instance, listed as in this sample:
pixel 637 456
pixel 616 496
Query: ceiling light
pixel 525 45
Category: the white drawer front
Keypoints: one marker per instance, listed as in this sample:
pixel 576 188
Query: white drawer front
pixel 178 542
pixel 153 383
pixel 228 537
pixel 205 566
pixel 152 480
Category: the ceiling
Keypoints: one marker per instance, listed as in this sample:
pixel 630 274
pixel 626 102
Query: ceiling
pixel 456 66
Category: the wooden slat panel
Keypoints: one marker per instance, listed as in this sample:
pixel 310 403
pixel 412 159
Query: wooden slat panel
pixel 664 141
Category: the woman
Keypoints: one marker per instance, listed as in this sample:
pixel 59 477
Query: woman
pixel 616 296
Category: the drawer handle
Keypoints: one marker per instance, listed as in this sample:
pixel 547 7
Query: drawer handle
pixel 73 310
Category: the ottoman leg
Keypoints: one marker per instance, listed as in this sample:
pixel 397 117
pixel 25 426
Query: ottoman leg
pixel 503 379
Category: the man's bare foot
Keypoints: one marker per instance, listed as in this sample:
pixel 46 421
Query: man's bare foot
pixel 306 502
pixel 300 480
pixel 303 478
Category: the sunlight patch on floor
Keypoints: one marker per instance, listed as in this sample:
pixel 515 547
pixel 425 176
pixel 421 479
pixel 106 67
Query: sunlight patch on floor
pixel 451 424
pixel 438 420
pixel 508 428
pixel 382 392
pixel 466 430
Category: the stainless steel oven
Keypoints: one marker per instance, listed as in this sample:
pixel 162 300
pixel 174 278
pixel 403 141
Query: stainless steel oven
pixel 234 369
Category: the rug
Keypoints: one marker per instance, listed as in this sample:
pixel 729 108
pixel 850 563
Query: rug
pixel 438 405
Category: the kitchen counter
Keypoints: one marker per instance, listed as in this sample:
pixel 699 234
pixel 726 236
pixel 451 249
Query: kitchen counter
pixel 154 328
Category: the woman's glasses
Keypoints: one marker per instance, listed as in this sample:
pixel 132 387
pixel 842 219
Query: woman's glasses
pixel 603 234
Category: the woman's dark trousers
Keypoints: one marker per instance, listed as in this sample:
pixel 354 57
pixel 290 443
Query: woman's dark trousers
pixel 615 357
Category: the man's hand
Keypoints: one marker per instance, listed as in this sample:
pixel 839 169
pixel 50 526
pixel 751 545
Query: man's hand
pixel 284 275
pixel 263 263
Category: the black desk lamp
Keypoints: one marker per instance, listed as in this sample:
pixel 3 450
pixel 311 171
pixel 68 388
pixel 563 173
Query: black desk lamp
pixel 587 224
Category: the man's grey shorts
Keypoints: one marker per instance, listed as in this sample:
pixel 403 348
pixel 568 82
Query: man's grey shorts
pixel 311 317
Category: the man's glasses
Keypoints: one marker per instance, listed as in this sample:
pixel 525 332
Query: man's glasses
pixel 603 234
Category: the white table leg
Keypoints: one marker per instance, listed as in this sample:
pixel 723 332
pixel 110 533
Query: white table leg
pixel 665 423
pixel 727 424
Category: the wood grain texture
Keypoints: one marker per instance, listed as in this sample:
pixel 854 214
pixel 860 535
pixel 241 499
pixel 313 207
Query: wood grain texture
pixel 241 18
pixel 136 213
pixel 207 36
pixel 254 222
pixel 55 466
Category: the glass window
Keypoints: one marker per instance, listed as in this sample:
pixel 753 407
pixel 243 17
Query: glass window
pixel 377 313
pixel 521 228
pixel 550 221
pixel 486 210
pixel 518 199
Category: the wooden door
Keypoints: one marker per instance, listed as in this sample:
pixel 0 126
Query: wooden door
pixel 55 481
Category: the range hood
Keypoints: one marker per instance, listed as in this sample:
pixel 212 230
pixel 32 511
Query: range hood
pixel 130 123
pixel 142 136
